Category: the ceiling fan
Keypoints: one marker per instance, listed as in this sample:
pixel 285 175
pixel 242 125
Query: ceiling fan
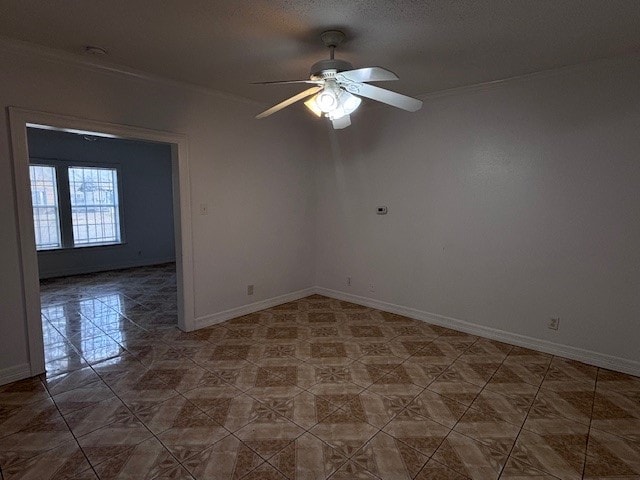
pixel 338 87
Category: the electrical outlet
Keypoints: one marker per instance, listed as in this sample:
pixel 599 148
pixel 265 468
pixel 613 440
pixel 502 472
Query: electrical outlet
pixel 372 287
pixel 204 209
pixel 249 289
pixel 348 281
pixel 554 323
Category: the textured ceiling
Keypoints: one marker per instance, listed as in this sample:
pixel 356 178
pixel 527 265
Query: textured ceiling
pixel 431 45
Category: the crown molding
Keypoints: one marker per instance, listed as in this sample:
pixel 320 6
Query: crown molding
pixel 62 57
pixel 491 84
pixel 54 55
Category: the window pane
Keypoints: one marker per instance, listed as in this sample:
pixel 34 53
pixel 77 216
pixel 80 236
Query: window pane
pixel 94 205
pixel 44 197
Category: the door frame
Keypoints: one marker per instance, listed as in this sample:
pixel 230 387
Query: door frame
pixel 19 120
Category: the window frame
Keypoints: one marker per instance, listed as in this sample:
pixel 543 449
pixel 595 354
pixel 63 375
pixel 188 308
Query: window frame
pixel 56 206
pixel 62 167
pixel 116 205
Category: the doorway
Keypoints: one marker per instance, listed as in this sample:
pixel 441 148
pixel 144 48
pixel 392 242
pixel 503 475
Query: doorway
pixel 20 121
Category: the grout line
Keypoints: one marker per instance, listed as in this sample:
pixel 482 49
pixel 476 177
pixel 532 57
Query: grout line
pixel 256 362
pixel 593 406
pixel 525 421
pixel 75 438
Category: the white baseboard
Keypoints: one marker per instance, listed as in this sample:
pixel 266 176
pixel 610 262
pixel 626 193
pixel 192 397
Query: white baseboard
pixel 586 356
pixel 81 270
pixel 208 320
pixel 15 373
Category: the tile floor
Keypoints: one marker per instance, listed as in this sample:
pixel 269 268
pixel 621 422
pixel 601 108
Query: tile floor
pixel 311 389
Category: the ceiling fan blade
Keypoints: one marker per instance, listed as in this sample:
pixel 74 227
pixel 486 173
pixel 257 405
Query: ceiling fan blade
pixel 368 74
pixel 289 101
pixel 385 96
pixel 280 82
pixel 342 122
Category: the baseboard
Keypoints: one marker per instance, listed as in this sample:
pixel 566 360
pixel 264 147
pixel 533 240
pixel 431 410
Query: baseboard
pixel 104 268
pixel 213 319
pixel 586 356
pixel 12 374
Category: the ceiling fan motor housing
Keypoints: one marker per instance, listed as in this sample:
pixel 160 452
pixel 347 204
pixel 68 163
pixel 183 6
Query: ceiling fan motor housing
pixel 329 67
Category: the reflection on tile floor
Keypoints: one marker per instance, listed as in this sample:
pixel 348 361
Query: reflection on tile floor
pixel 312 389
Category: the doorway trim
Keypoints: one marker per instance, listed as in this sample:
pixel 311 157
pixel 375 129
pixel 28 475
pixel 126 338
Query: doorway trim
pixel 19 120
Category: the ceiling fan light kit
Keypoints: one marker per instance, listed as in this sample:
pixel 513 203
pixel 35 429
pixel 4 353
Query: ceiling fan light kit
pixel 338 87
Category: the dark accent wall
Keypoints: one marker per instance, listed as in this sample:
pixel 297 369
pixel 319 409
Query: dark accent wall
pixel 147 201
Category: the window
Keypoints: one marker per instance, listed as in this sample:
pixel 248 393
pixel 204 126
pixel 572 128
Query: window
pixel 75 206
pixel 94 205
pixel 44 194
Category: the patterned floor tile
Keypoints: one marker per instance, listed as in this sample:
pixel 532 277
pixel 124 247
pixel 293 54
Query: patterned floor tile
pixel 328 352
pixel 417 431
pixel 234 412
pixel 470 458
pixel 512 409
pixel 575 405
pixel 175 473
pixel 488 429
pixel 487 349
pixel 69 381
pixel 570 432
pixel 228 458
pixel 301 409
pixel 307 457
pixel 145 461
pixel 358 373
pixel 337 394
pixel 337 370
pixel 392 389
pixel 265 472
pixel 615 412
pixel 186 441
pixel 475 371
pixel 268 434
pixel 438 408
pixel 555 454
pixel 33 440
pixel 23 392
pixel 437 471
pixel 179 418
pixel 513 381
pixel 114 439
pixel 353 471
pixel 214 400
pixel 82 397
pixel 65 461
pixel 457 390
pixel 97 416
pixel 611 456
pixel 387 457
pixel 525 355
pixel 618 382
pixel 518 470
pixel 15 418
pixel 345 429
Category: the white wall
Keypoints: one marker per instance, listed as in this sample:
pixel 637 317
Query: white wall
pixel 508 205
pixel 146 196
pixel 255 177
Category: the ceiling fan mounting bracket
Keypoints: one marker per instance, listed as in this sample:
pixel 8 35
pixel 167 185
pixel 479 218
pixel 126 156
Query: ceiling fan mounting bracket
pixel 319 69
pixel 332 38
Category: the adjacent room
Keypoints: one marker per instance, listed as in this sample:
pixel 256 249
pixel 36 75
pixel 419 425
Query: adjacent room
pixel 303 240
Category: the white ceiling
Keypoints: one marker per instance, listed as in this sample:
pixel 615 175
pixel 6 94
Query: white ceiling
pixel 431 45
